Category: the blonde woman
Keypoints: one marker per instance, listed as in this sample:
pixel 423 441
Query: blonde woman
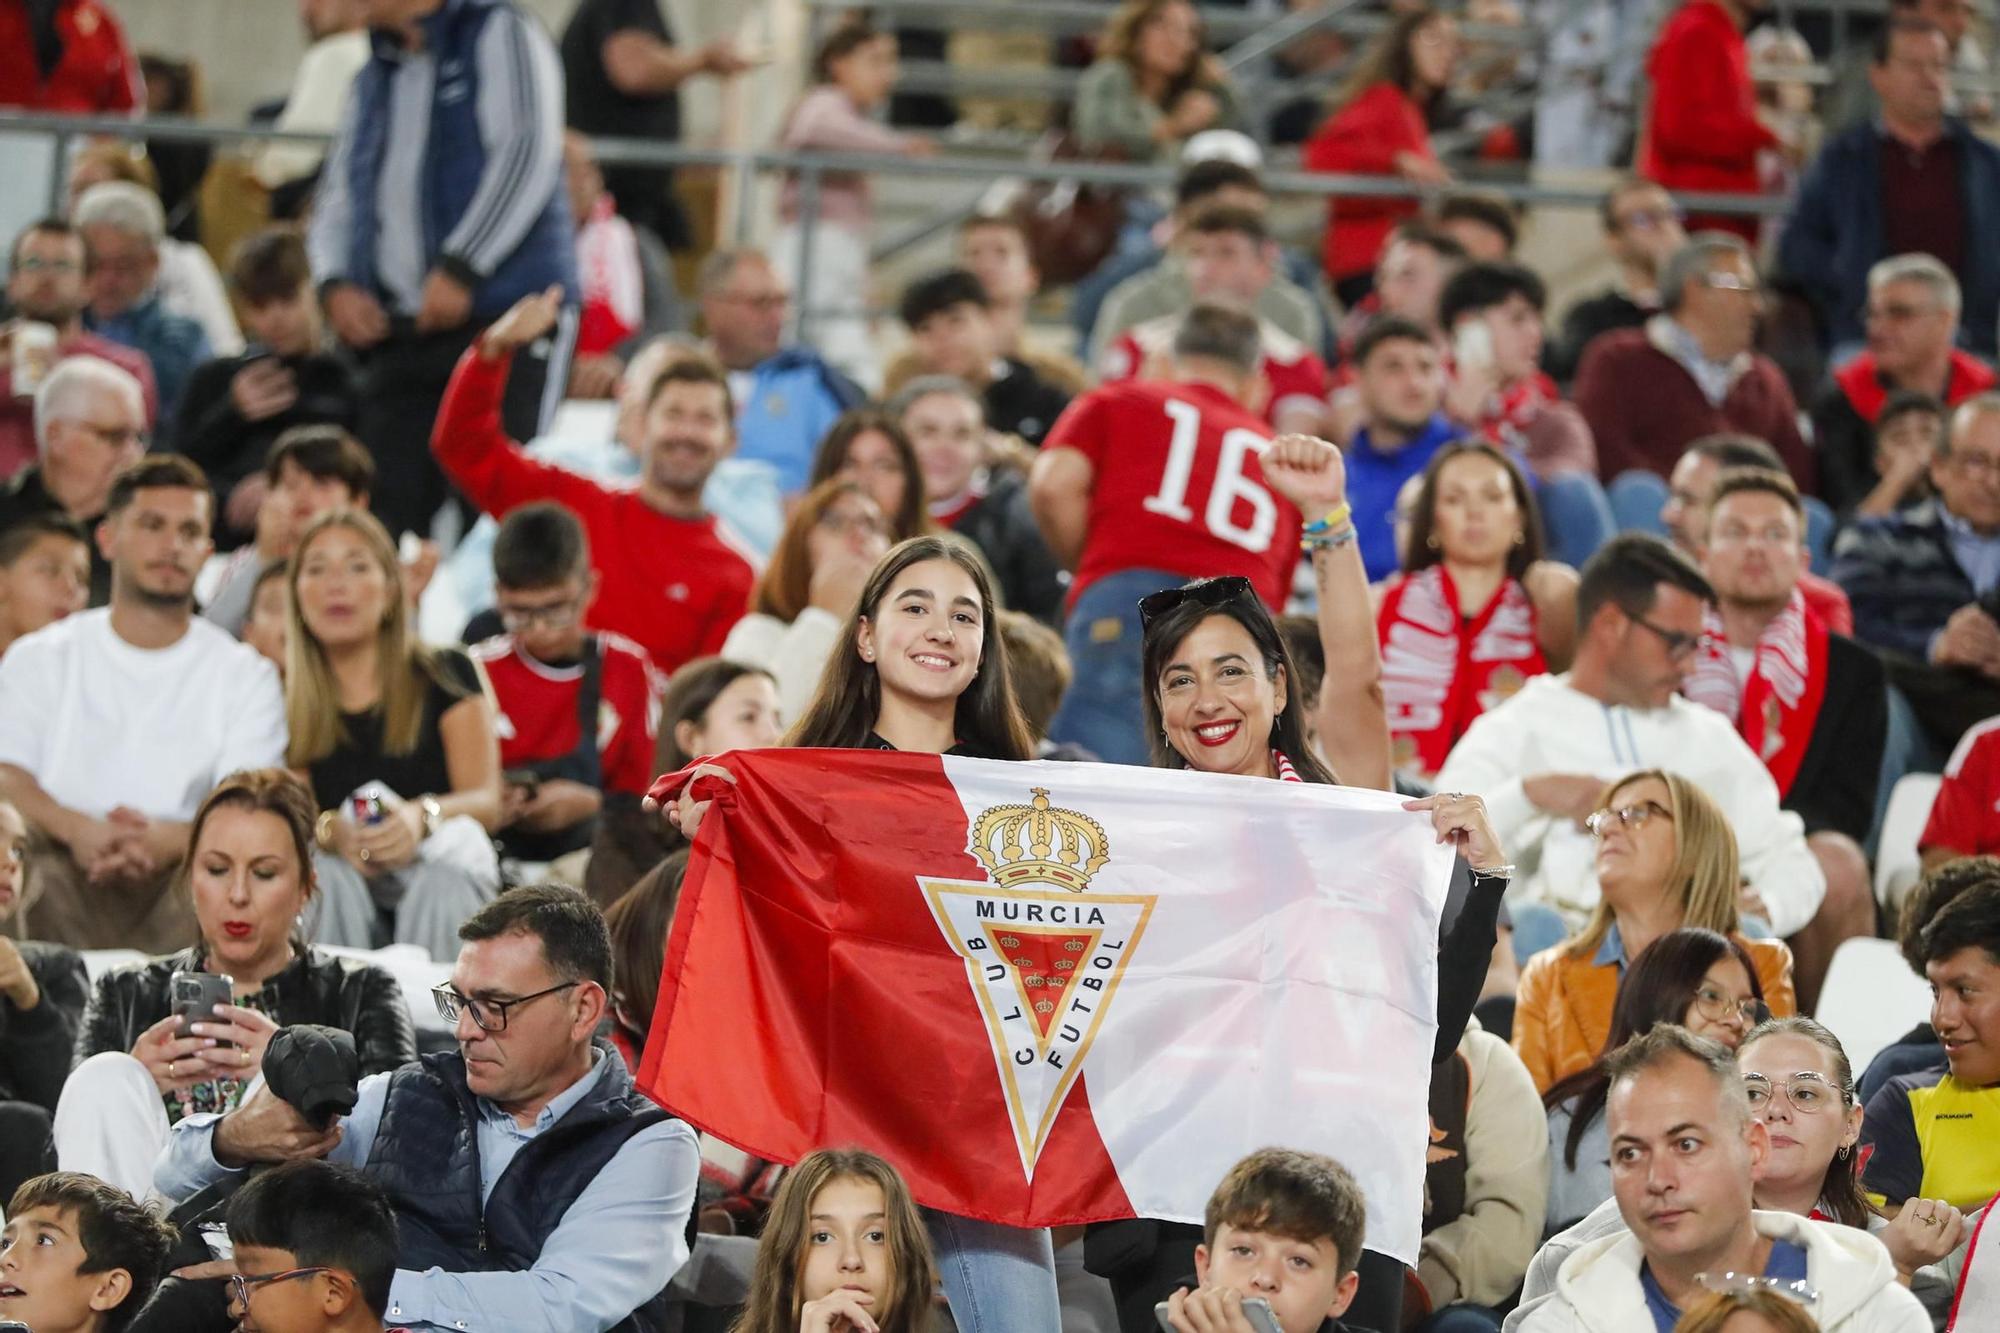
pixel 397 741
pixel 1665 859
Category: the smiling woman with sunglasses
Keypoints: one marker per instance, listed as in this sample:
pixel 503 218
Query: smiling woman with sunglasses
pixel 1665 859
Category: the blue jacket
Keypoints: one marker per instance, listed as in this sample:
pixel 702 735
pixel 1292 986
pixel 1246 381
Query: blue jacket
pixel 487 189
pixel 1903 578
pixel 174 344
pixel 1834 233
pixel 794 397
pixel 1374 477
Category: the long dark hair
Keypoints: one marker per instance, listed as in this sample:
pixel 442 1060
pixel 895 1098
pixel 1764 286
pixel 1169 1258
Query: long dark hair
pixel 1391 59
pixel 911 518
pixel 1164 634
pixel 640 922
pixel 1840 1192
pixel 1423 518
pixel 1657 988
pixel 844 708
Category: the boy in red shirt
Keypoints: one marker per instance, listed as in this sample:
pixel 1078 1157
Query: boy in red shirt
pixel 578 710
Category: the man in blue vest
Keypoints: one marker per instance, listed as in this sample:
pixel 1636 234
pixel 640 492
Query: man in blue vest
pixel 440 205
pixel 534 1186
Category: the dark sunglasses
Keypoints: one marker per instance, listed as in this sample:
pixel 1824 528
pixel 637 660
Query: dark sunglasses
pixel 1214 594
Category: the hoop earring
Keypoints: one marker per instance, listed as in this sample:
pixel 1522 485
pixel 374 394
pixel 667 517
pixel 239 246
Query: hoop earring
pixel 1520 538
pixel 1432 542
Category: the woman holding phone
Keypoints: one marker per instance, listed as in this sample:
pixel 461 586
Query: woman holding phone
pixel 145 1060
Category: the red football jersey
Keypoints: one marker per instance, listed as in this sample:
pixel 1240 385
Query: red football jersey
pixel 1293 374
pixel 1178 487
pixel 1966 817
pixel 538 707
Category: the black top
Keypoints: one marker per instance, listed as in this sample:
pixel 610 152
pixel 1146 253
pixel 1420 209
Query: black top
pixel 1586 319
pixel 1020 402
pixel 1003 527
pixel 26 495
pixel 595 106
pixel 1835 785
pixel 35 1045
pixel 359 758
pixel 214 434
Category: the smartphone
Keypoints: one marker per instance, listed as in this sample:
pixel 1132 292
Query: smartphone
pixel 196 994
pixel 525 778
pixel 216 1236
pixel 1472 346
pixel 1256 1310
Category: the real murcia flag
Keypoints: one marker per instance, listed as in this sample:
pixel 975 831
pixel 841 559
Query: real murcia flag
pixel 1056 993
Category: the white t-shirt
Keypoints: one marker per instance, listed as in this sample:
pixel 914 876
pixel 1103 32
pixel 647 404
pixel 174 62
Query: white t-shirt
pixel 100 723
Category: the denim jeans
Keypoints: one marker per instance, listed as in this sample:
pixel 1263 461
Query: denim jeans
pixel 1461 1319
pixel 1103 711
pixel 997 1279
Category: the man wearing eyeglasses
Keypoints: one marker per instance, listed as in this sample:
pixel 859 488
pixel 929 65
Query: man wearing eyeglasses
pixel 1642 229
pixel 534 1187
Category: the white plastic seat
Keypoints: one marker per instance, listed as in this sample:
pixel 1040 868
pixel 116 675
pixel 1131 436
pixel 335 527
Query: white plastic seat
pixel 1871 997
pixel 1896 863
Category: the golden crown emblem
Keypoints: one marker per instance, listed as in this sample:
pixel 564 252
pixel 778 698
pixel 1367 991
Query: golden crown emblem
pixel 1036 844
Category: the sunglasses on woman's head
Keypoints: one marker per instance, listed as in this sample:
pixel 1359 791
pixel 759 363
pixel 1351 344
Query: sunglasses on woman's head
pixel 1214 594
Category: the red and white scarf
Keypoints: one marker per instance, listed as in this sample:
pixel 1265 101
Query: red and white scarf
pixel 1442 669
pixel 1977 1304
pixel 1516 408
pixel 1774 710
pixel 1283 767
pixel 614 285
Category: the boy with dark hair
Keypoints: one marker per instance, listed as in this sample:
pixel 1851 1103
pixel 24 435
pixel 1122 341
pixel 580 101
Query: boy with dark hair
pixel 1493 314
pixel 315 1251
pixel 577 717
pixel 44 574
pixel 1486 225
pixel 78 1255
pixel 952 332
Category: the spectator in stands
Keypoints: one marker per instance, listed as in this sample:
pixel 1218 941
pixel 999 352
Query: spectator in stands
pixel 121 226
pixel 1930 1135
pixel 45 287
pixel 787 397
pixel 1642 231
pixel 623 73
pixel 314 1248
pixel 1378 128
pixel 589 1225
pixel 1701 129
pixel 1912 317
pixel 236 407
pixel 640 921
pixel 398 740
pixel 1851 98
pixel 1476 610
pixel 868 446
pixel 1666 859
pixel 1908 431
pixel 266 629
pixel 1042 674
pixel 44 575
pixel 1943 179
pixel 1925 582
pixel 1410 278
pixel 1686 1156
pixel 832 542
pixel 1692 370
pixel 43 988
pixel 576 720
pixel 995 248
pixel 337 37
pixel 1486 227
pixel 1153 87
pixel 71 58
pixel 985 502
pixel 74 695
pixel 715 705
pixel 78 1254
pixel 1702 979
pixel 952 333
pixel 309 470
pixel 673 580
pixel 90 424
pixel 486 223
pixel 249 875
pixel 1493 314
pixel 1544 753
pixel 1942 883
pixel 1400 378
pixel 1965 818
pixel 626 276
pixel 1150 282
pixel 1229 258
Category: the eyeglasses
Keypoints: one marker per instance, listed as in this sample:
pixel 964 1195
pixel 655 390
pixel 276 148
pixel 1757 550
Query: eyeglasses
pixel 490 1015
pixel 1631 816
pixel 1645 219
pixel 34 265
pixel 1716 1007
pixel 843 525
pixel 1894 313
pixel 1730 282
pixel 1806 1092
pixel 1738 534
pixel 1979 467
pixel 559 615
pixel 1212 593
pixel 241 1287
pixel 1679 645
pixel 1744 1284
pixel 118 437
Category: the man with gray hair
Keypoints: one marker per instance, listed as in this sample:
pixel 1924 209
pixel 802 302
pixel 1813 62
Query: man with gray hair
pixel 1912 319
pixel 786 397
pixel 122 226
pixel 90 424
pixel 1691 370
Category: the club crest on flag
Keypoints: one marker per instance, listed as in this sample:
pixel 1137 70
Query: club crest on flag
pixel 1043 954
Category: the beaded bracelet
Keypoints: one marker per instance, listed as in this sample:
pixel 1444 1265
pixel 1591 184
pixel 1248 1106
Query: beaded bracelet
pixel 1326 540
pixel 1341 515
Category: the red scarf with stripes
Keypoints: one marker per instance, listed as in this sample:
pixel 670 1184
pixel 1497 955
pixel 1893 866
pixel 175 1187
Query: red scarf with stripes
pixel 1442 668
pixel 1774 710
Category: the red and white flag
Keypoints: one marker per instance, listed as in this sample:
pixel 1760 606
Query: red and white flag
pixel 1056 993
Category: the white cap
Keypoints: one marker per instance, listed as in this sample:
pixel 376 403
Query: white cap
pixel 1222 146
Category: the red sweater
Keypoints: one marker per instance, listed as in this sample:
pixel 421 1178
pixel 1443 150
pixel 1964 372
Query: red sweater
pixel 672 585
pixel 1363 139
pixel 1702 131
pixel 96 71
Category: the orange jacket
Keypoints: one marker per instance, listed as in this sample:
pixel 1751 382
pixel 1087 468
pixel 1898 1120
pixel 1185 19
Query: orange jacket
pixel 1562 1013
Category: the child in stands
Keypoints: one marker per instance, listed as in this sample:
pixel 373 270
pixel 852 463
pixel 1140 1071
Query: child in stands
pixel 78 1255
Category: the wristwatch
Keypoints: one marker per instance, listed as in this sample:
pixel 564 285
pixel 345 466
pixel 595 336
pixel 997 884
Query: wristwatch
pixel 433 813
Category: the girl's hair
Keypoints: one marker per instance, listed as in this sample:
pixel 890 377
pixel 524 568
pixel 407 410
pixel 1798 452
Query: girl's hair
pixel 1120 41
pixel 639 923
pixel 912 518
pixel 1840 1193
pixel 786 587
pixel 1391 59
pixel 1163 635
pixel 775 1294
pixel 1657 988
pixel 842 42
pixel 844 708
pixel 402 664
pixel 690 693
pixel 1711 1312
pixel 1423 517
pixel 1704 876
